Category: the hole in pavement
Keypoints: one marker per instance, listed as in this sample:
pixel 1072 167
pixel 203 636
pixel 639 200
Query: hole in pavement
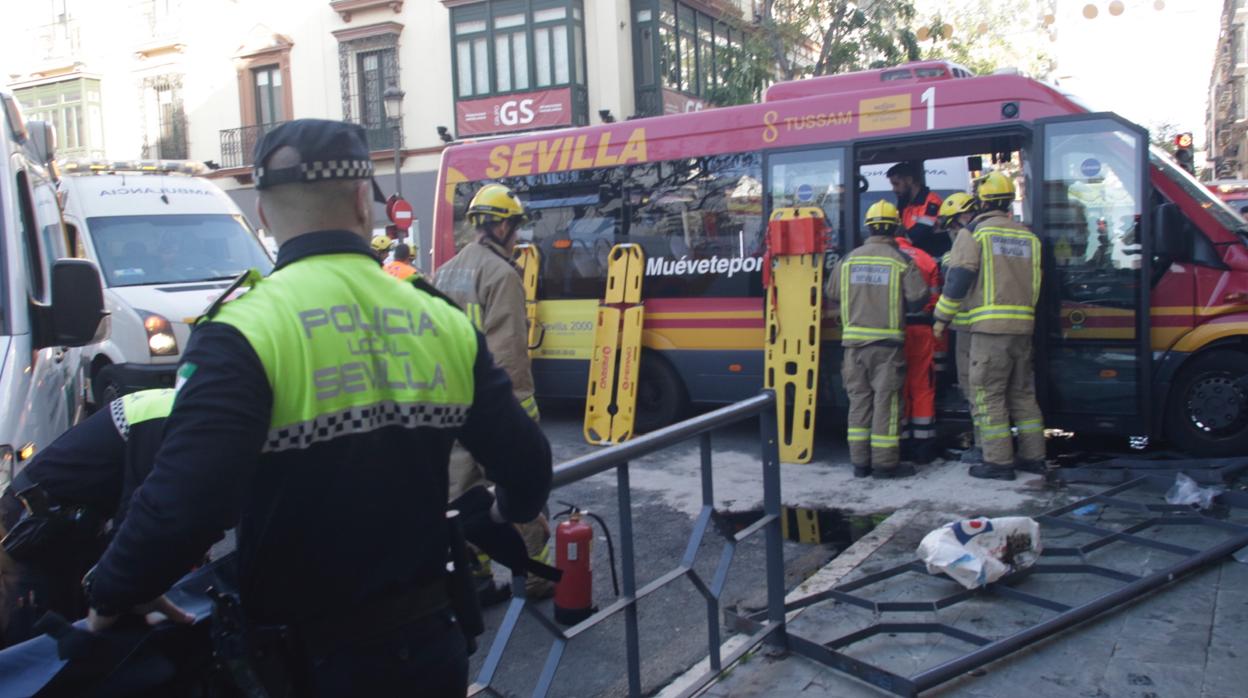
pixel 815 526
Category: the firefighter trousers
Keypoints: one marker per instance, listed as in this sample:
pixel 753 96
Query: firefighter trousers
pixel 962 357
pixel 1003 382
pixel 920 391
pixel 873 377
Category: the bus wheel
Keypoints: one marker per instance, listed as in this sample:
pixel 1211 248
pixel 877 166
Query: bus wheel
pixel 661 396
pixel 104 387
pixel 1207 414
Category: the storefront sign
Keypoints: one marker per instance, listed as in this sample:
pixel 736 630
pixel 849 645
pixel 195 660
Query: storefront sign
pixel 678 103
pixel 510 113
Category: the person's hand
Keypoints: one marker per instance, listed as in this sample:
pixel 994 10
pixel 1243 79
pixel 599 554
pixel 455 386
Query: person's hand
pixel 154 612
pixel 938 330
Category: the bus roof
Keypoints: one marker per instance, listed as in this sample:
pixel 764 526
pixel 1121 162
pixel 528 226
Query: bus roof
pixel 882 111
pixel 908 73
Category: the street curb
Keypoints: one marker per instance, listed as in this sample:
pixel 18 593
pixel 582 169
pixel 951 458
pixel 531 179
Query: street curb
pixel 829 576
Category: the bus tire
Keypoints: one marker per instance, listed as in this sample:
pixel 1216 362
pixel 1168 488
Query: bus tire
pixel 1207 412
pixel 104 386
pixel 661 395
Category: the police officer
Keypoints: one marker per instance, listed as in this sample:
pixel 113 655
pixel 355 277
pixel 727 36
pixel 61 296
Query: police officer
pixel 919 206
pixel 994 278
pixel 955 214
pixel 482 279
pixel 875 285
pixel 56 511
pixel 317 412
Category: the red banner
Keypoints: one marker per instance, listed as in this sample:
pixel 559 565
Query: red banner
pixel 678 103
pixel 509 113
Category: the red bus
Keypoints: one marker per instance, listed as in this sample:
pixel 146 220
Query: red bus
pixel 1143 325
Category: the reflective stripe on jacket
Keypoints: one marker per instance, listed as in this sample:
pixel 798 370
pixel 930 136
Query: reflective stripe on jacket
pixel 1004 257
pixel 874 284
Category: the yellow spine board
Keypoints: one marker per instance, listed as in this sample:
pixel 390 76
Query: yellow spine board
pixel 528 259
pixel 794 307
pixel 611 397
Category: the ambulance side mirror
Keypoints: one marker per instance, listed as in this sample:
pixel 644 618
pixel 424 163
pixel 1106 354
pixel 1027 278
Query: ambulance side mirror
pixel 77 303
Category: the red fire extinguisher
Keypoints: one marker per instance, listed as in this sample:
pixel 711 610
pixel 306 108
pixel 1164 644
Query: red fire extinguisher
pixel 574 594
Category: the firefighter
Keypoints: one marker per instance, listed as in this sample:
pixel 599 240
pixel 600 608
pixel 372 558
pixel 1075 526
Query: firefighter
pixel 401 268
pixel 381 246
pixel 875 286
pixel 483 281
pixel 955 214
pixel 919 206
pixel 317 413
pixel 994 278
pixel 918 438
pixel 56 511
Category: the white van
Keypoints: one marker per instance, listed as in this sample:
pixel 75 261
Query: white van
pixel 168 243
pixel 48 304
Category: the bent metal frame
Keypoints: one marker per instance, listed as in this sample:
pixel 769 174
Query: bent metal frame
pixel 769 626
pixel 1054 560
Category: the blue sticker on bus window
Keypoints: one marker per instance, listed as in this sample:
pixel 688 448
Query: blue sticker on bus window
pixel 1090 167
pixel 805 193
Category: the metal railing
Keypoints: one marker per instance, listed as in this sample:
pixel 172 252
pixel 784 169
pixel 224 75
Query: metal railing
pixel 617 458
pixel 238 145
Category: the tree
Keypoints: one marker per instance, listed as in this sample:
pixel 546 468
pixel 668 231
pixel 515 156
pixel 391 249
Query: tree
pixel 799 38
pixel 1162 134
pixel 985 35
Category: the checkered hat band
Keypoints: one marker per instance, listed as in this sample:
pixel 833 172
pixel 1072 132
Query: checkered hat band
pixel 363 419
pixel 315 172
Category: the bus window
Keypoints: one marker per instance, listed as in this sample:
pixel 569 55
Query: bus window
pixel 692 218
pixel 1092 188
pixel 812 178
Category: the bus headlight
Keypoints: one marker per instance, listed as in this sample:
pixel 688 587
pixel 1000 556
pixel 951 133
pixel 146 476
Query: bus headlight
pixel 160 339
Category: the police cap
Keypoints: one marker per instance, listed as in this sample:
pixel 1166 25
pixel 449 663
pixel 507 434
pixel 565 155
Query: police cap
pixel 327 150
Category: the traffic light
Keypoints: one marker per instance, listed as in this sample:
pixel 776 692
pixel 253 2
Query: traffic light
pixel 1183 152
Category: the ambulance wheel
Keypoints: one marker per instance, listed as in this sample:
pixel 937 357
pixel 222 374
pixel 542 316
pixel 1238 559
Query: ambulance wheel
pixel 661 396
pixel 1207 415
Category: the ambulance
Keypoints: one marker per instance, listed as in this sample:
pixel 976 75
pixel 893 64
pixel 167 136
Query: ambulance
pixel 49 305
pixel 168 243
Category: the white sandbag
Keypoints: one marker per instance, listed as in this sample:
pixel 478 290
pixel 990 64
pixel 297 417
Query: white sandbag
pixel 975 552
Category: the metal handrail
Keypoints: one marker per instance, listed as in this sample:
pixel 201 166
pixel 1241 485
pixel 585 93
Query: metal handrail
pixel 617 458
pixel 592 464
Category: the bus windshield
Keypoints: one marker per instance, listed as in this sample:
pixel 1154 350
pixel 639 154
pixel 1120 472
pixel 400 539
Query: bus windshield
pixel 1219 208
pixel 167 249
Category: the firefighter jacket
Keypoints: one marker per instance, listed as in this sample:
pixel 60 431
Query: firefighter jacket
pixel 482 281
pixel 931 275
pixel 317 413
pixel 918 220
pixel 875 285
pixel 993 276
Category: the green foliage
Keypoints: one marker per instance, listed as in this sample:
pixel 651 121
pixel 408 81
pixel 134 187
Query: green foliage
pixel 1162 134
pixel 986 35
pixel 799 38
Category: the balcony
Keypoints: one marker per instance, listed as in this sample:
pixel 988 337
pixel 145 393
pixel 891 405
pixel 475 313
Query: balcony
pixel 238 145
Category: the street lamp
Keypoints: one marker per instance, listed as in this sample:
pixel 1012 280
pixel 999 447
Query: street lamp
pixel 393 100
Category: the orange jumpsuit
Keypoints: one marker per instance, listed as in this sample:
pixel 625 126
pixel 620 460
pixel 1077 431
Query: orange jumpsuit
pixel 920 389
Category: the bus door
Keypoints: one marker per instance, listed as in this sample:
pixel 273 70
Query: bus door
pixel 817 178
pixel 1091 210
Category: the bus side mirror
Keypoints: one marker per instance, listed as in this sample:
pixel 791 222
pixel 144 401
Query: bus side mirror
pixel 77 302
pixel 1169 241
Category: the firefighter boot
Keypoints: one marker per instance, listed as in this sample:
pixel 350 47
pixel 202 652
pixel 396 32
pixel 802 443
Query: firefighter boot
pixel 902 470
pixel 489 592
pixel 1037 466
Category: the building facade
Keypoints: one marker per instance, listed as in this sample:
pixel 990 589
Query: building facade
pixel 1226 119
pixel 205 79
